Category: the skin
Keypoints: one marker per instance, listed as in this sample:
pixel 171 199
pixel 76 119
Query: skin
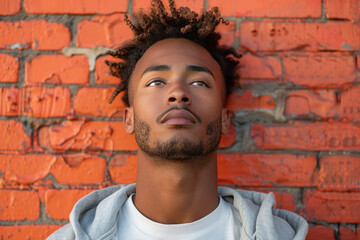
pixel 173 191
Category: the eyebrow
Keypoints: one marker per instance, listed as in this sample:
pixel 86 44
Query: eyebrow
pixel 157 68
pixel 194 68
pixel 197 68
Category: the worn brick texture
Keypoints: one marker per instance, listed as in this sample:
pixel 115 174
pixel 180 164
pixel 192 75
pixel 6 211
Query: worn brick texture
pixel 295 109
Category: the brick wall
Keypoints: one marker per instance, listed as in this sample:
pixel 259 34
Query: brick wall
pixel 295 129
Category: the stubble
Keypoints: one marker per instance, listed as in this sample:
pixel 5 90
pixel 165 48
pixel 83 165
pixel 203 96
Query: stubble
pixel 177 148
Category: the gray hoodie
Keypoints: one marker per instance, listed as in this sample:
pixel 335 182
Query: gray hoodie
pixel 95 216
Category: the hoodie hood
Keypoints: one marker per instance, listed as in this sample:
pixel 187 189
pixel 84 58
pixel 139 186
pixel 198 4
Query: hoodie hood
pixel 95 215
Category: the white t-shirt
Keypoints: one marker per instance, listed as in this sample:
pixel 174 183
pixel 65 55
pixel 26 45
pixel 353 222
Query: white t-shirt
pixel 219 224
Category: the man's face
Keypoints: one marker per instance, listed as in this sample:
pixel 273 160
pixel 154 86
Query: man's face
pixel 176 108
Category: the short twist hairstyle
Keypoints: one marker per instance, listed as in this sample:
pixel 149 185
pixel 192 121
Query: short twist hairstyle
pixel 178 23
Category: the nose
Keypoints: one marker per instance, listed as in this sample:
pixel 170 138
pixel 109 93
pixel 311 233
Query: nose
pixel 179 94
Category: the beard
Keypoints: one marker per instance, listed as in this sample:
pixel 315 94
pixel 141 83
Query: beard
pixel 177 148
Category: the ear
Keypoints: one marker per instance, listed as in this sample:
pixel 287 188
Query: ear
pixel 128 119
pixel 225 120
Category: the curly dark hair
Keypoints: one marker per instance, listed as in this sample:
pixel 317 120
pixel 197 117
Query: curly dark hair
pixel 178 23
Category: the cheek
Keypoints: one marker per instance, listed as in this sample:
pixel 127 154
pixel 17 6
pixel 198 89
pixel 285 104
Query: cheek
pixel 147 104
pixel 211 99
pixel 210 108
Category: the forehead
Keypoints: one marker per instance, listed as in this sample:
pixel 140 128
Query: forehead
pixel 180 52
pixel 172 48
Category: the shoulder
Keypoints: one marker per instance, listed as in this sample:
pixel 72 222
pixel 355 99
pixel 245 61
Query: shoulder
pixel 64 233
pixel 94 215
pixel 259 217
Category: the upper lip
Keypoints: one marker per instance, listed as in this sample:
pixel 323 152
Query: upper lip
pixel 178 113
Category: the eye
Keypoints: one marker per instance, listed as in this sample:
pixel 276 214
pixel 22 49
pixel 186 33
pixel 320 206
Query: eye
pixel 156 82
pixel 200 84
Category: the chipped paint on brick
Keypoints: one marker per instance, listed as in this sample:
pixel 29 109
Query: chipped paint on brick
pixel 14 137
pixel 91 53
pixel 122 168
pixel 27 169
pixel 84 169
pixel 89 136
pixel 10 102
pixel 307 136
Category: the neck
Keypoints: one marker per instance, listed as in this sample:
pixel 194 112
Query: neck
pixel 176 192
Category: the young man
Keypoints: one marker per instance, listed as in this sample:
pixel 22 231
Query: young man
pixel 176 79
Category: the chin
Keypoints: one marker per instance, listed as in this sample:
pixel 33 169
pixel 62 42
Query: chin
pixel 181 138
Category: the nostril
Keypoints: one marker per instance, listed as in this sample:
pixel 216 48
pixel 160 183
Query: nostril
pixel 185 99
pixel 172 99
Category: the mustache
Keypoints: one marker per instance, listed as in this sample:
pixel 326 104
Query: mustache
pixel 177 108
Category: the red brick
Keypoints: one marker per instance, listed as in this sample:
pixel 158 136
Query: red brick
pixel 91 136
pixel 349 234
pixel 259 67
pixel 45 102
pixel 27 169
pixel 38 126
pixel 39 102
pixel 350 105
pixel 194 5
pixel 228 139
pixel 343 9
pixel 13 136
pixel 9 68
pixel 35 34
pixel 95 102
pixel 27 231
pixel 75 7
pixel 268 8
pixel 42 186
pixel 3 167
pixel 228 33
pixel 307 136
pixel 57 69
pixel 122 168
pixel 19 205
pixel 247 101
pixel 42 139
pixel 320 232
pixel 59 203
pixel 332 206
pixel 10 102
pixel 306 103
pixel 266 169
pixel 91 170
pixel 339 172
pixel 280 36
pixel 109 31
pixel 102 71
pixel 9 7
pixel 324 104
pixel 319 69
pixel 285 201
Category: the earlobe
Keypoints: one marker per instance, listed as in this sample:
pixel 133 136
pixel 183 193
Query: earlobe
pixel 225 121
pixel 128 119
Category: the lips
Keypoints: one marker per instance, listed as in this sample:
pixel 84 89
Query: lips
pixel 178 117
